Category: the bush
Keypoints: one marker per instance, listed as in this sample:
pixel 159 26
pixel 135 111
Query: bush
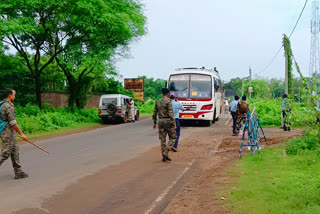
pixel 32 120
pixel 269 112
pixel 309 141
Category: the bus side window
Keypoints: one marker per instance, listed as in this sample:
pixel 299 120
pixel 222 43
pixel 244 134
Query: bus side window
pixel 216 86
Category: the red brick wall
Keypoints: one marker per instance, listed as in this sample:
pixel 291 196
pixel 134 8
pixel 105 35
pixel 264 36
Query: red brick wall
pixel 60 99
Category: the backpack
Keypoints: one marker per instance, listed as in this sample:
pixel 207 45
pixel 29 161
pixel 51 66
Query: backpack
pixel 243 107
pixel 2 123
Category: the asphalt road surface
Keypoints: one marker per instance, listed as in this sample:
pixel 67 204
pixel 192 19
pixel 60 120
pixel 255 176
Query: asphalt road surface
pixel 67 180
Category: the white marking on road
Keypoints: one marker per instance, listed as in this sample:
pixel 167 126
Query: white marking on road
pixel 167 190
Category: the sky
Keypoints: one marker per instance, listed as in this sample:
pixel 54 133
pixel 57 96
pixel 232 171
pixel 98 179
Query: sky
pixel 231 35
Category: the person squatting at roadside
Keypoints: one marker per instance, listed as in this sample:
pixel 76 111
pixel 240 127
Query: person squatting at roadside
pixel 233 109
pixel 242 110
pixel 176 107
pixel 8 135
pixel 166 124
pixel 131 110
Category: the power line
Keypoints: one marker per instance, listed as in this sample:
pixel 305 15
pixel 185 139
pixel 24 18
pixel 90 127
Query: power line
pixel 289 37
pixel 299 18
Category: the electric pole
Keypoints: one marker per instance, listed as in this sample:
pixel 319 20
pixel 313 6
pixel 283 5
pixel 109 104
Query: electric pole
pixel 286 80
pixel 314 49
pixel 250 73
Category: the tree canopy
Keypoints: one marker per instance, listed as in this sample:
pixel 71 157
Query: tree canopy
pixel 80 35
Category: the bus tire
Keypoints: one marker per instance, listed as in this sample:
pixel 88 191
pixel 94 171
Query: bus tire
pixel 214 116
pixel 208 123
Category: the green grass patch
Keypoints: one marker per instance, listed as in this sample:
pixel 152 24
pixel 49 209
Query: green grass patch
pixel 276 182
pixel 145 115
pixel 62 130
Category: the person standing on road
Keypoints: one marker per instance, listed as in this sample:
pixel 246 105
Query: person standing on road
pixel 284 117
pixel 233 109
pixel 8 135
pixel 242 110
pixel 166 124
pixel 226 106
pixel 176 107
pixel 131 110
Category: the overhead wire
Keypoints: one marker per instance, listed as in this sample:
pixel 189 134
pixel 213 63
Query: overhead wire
pixel 295 26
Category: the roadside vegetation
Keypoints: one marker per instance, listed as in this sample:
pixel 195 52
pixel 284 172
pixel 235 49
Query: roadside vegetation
pixel 284 180
pixel 32 120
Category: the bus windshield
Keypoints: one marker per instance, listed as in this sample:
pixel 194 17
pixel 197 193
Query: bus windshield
pixel 191 86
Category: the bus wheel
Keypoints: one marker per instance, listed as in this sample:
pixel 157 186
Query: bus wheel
pixel 208 122
pixel 214 116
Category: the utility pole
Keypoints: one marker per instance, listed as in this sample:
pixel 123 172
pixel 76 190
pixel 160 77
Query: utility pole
pixel 250 72
pixel 286 77
pixel 242 87
pixel 315 48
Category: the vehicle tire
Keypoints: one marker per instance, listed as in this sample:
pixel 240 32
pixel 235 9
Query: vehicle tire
pixel 104 120
pixel 137 116
pixel 214 116
pixel 111 108
pixel 125 118
pixel 208 123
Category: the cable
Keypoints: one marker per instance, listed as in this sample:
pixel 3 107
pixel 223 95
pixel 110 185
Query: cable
pixel 289 37
pixel 299 18
pixel 271 60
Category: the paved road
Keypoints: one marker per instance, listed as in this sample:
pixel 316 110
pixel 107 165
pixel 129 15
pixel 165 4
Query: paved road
pixel 71 158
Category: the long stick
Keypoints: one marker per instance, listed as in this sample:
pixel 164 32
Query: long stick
pixel 38 146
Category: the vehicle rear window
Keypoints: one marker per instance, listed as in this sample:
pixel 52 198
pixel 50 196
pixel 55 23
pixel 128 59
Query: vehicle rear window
pixel 107 101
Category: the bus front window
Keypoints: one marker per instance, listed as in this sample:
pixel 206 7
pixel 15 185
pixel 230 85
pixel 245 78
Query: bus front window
pixel 180 85
pixel 200 86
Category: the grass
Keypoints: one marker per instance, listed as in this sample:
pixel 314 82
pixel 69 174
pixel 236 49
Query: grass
pixel 145 115
pixel 62 130
pixel 275 183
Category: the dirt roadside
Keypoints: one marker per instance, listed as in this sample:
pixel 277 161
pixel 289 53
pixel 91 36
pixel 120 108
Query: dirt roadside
pixel 215 152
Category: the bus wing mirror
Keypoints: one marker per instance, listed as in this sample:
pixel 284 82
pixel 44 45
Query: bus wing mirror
pixel 166 85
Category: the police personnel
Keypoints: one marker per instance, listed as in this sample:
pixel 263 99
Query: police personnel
pixel 166 124
pixel 8 135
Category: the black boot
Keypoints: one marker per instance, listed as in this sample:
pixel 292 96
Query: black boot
pixel 19 174
pixel 166 154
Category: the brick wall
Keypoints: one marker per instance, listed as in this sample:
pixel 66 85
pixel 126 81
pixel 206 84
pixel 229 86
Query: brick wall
pixel 60 99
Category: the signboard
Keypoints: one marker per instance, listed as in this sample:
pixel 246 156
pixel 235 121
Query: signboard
pixel 250 90
pixel 134 84
pixel 139 96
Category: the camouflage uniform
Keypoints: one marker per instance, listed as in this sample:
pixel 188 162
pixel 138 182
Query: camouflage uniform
pixel 8 137
pixel 163 109
pixel 241 115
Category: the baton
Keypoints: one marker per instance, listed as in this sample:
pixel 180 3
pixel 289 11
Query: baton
pixel 38 146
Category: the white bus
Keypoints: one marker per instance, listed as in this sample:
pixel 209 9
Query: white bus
pixel 199 89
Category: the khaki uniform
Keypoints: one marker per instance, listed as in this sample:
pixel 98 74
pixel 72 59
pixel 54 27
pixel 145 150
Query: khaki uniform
pixel 8 137
pixel 163 109
pixel 243 108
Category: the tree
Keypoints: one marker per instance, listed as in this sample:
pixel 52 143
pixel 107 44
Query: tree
pixel 26 26
pixel 153 87
pixel 101 30
pixel 260 89
pixel 13 74
pixel 234 84
pixel 277 87
pixel 80 35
